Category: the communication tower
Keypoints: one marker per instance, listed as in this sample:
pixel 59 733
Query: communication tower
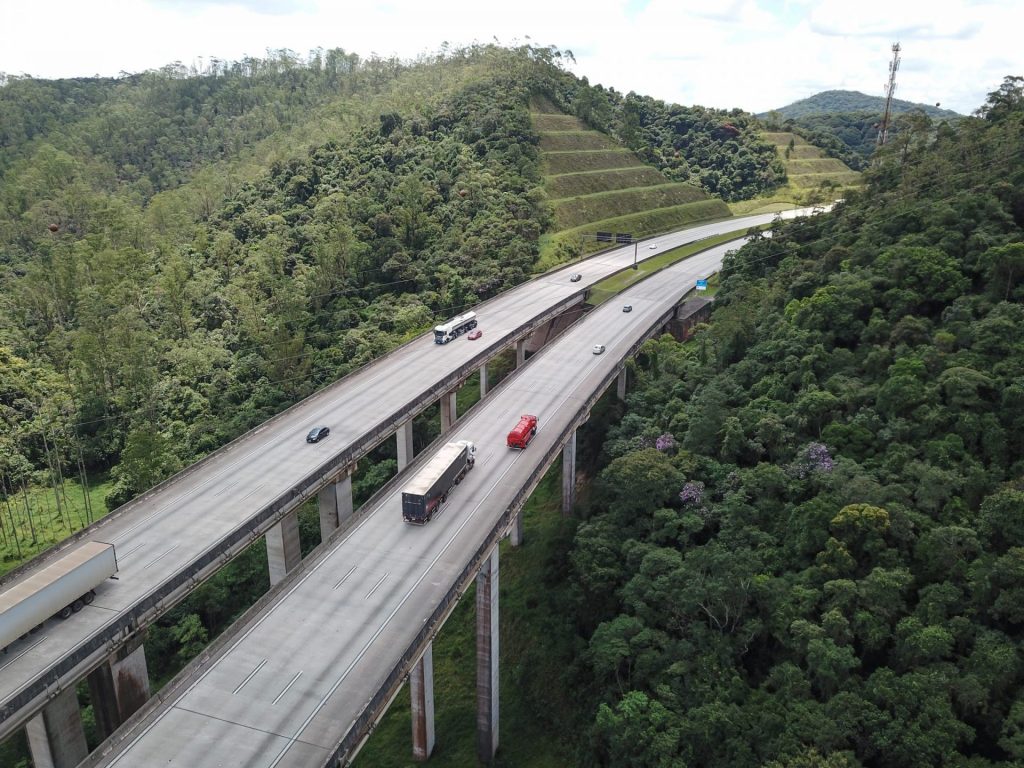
pixel 890 89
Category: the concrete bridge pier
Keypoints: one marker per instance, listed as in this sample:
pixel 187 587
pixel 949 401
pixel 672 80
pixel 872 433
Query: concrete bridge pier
pixel 405 449
pixel 56 738
pixel 449 410
pixel 520 353
pixel 421 691
pixel 515 534
pixel 487 658
pixel 283 552
pixel 620 384
pixel 483 380
pixel 335 502
pixel 119 687
pixel 569 475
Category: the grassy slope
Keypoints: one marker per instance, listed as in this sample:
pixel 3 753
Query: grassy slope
pixel 584 209
pixel 811 167
pixel 813 177
pixel 595 185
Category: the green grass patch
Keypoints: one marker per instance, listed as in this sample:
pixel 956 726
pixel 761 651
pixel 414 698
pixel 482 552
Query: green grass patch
pixel 647 222
pixel 31 521
pixel 772 204
pixel 588 160
pixel 530 736
pixel 567 185
pixel 817 165
pixel 837 178
pixel 608 288
pixel 570 141
pixel 556 122
pixel 578 211
pixel 782 138
pixel 804 152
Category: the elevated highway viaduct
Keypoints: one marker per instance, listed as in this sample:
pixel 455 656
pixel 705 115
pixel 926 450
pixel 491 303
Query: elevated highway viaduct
pixel 182 531
pixel 303 677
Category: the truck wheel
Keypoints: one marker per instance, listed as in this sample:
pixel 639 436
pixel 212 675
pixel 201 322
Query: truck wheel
pixel 65 612
pixel 444 498
pixel 533 431
pixel 77 605
pixel 88 597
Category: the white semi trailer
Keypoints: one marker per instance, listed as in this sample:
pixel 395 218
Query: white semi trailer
pixel 59 589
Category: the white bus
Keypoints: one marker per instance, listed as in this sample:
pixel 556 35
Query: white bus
pixel 455 327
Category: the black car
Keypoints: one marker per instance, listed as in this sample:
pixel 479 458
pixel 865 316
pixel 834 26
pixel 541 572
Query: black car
pixel 316 434
pixel 627 308
pixel 575 277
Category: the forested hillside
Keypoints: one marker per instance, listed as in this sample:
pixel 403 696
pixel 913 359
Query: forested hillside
pixel 183 254
pixel 845 123
pixel 807 544
pixel 718 150
pixel 831 102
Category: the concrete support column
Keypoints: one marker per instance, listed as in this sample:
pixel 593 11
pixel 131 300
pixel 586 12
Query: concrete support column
pixel 283 551
pixel 483 380
pixel 520 353
pixel 487 659
pixel 449 410
pixel 335 501
pixel 421 691
pixel 119 687
pixel 55 736
pixel 404 437
pixel 569 475
pixel 620 389
pixel 515 535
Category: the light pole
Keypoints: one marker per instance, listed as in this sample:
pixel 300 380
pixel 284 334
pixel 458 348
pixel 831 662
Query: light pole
pixel 636 245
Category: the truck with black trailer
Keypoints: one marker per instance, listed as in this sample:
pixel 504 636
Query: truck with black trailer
pixel 429 489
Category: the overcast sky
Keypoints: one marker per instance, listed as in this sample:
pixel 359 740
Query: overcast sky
pixel 753 54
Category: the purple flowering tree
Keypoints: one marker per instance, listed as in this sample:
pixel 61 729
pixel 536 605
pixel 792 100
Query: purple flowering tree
pixel 665 442
pixel 692 493
pixel 813 458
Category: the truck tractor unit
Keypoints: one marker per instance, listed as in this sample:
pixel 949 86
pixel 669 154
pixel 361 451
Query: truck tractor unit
pixel 429 489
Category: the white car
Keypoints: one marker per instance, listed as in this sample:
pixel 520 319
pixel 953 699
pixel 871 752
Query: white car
pixel 652 246
pixel 598 349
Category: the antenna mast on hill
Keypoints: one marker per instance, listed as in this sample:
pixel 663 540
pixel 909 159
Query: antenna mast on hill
pixel 890 89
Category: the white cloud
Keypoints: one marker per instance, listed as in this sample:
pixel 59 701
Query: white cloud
pixel 753 54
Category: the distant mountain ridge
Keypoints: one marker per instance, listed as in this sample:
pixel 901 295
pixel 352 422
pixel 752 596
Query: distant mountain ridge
pixel 853 101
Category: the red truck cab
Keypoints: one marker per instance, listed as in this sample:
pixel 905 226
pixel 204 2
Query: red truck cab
pixel 523 432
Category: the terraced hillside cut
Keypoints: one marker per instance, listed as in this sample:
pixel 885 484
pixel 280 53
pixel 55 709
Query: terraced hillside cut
pixel 813 177
pixel 595 185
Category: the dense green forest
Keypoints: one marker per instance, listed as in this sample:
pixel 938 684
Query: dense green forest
pixel 183 254
pixel 806 547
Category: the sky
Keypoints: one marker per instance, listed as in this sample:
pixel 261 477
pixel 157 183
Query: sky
pixel 753 54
